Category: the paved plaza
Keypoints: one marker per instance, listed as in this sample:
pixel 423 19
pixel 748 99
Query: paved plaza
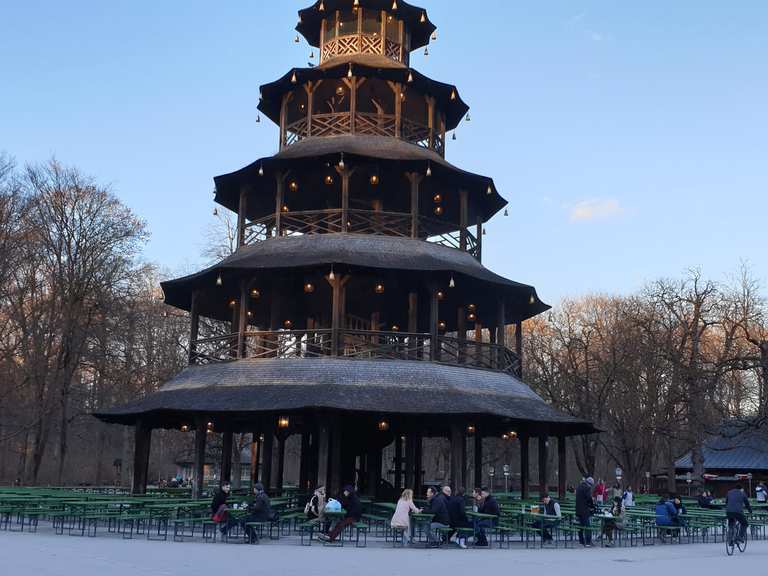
pixel 49 555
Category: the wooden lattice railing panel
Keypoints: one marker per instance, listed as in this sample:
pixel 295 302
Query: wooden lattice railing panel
pixel 331 124
pixel 392 50
pixel 375 124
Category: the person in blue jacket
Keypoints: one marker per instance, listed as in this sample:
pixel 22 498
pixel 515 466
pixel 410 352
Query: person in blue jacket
pixel 666 513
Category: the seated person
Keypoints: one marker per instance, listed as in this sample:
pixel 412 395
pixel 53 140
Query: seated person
pixel 551 508
pixel 401 519
pixel 259 510
pixel 666 514
pixel 681 511
pixel 457 514
pixel 705 501
pixel 350 502
pixel 315 508
pixel 219 508
pixel 616 521
pixel 486 505
pixel 438 507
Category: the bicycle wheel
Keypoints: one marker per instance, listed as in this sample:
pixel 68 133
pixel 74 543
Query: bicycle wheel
pixel 729 544
pixel 742 544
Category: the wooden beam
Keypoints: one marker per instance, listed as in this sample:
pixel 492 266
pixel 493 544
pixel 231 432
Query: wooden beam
pixel 415 179
pixel 458 454
pixel 434 320
pixel 201 431
pixel 279 197
pixel 519 345
pixel 241 212
pixel 410 461
pixel 194 321
pixel 373 461
pixel 266 467
pixel 478 459
pixel 413 312
pixel 141 450
pixel 461 331
pixel 337 310
pixel 398 462
pixel 418 462
pixel 304 461
pixel 336 464
pixel 226 458
pixel 323 452
pixel 255 454
pixel 242 325
pixel 562 467
pixel 479 233
pixel 281 438
pixel 463 219
pixel 543 477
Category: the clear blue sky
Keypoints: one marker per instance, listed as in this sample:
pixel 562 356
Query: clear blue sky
pixel 631 138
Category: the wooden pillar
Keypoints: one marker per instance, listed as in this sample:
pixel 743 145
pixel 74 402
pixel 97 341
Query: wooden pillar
pixel 562 468
pixel 524 456
pixel 194 328
pixel 519 345
pixel 309 88
pixel 141 449
pixel 413 312
pixel 415 179
pixel 501 330
pixel 479 233
pixel 201 431
pixel 434 320
pixel 241 212
pixel 417 462
pixel 281 438
pixel 279 198
pixel 431 120
pixel 305 461
pixel 242 325
pixel 543 477
pixel 410 463
pixel 374 469
pixel 461 331
pixel 226 458
pixel 337 310
pixel 458 456
pixel 345 174
pixel 284 119
pixel 255 454
pixel 266 467
pixel 336 464
pixel 352 84
pixel 323 452
pixel 463 219
pixel 478 459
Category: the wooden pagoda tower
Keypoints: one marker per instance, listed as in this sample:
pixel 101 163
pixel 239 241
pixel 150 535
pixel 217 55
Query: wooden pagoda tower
pixel 359 313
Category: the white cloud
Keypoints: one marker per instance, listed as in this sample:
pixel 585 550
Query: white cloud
pixel 596 209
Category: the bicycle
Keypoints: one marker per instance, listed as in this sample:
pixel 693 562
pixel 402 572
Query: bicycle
pixel 731 541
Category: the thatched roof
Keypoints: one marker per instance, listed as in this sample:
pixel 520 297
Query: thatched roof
pixel 386 152
pixel 362 386
pixel 310 19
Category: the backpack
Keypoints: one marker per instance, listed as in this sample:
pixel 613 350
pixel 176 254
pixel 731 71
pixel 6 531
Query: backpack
pixel 333 505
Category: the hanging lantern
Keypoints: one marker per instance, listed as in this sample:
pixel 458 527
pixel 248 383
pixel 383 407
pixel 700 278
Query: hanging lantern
pixel 261 170
pixel 209 426
pixel 294 79
pixel 283 422
pixel 505 436
pixel 471 316
pixel 469 118
pixel 349 71
pixel 423 17
pixel 328 180
pixel 410 77
pixel 394 4
pixel 258 119
pixel 512 435
pixel 293 186
pixel 485 232
pixel 185 428
pixel 340 91
pixel 322 6
pixel 440 295
pixel 437 198
pixel 296 40
pixel 232 303
pixel 219 281
pixel 312 55
pixel 215 211
pixel 532 300
pixel 426 51
pixel 255 294
pixel 341 162
pixel 506 212
pixel 434 35
pixel 331 276
pixel 288 324
pixel 250 313
pixel 374 179
pixel 442 325
pixel 489 191
pixel 383 425
pixel 309 288
pixel 453 93
pixel 284 208
pixel 471 429
pixel 395 328
pixel 438 210
pixel 379 289
pixel 454 136
pixel 356 3
pixel 452 283
pixel 471 307
pixel 429 170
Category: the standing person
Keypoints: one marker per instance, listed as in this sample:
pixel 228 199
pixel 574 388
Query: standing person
pixel 585 506
pixel 401 519
pixel 599 492
pixel 438 507
pixel 259 510
pixel 617 491
pixel 761 493
pixel 735 502
pixel 628 497
pixel 487 505
pixel 350 501
pixel 219 508
pixel 457 514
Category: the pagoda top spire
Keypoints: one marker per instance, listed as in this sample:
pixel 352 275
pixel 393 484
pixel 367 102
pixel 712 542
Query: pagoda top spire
pixel 388 28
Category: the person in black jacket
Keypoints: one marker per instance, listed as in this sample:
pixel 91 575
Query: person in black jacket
pixel 585 506
pixel 486 505
pixel 735 502
pixel 350 501
pixel 259 510
pixel 438 507
pixel 219 509
pixel 457 513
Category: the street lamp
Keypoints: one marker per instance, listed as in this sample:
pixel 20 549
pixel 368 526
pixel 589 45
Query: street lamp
pixel 506 478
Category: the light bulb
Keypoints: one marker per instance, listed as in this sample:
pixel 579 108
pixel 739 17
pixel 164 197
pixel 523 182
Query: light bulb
pixel 296 40
pixel 423 17
pixel 452 283
pixel 219 281
pixel 429 170
pixel 261 170
pixel 426 51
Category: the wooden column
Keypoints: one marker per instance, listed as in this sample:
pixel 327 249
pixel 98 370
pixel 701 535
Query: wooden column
pixel 336 464
pixel 242 325
pixel 305 461
pixel 226 458
pixel 323 452
pixel 352 84
pixel 458 456
pixel 434 320
pixel 463 219
pixel 345 174
pixel 479 233
pixel 284 118
pixel 201 431
pixel 415 179
pixel 255 455
pixel 562 467
pixel 141 449
pixel 461 331
pixel 524 456
pixel 194 328
pixel 281 438
pixel 337 310
pixel 279 198
pixel 309 88
pixel 374 469
pixel 478 459
pixel 266 467
pixel 501 329
pixel 519 344
pixel 543 477
pixel 241 212
pixel 431 120
pixel 417 462
pixel 413 312
pixel 410 463
pixel 398 462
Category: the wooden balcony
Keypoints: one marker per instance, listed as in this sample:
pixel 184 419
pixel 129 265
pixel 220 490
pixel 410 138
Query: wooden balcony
pixel 370 222
pixel 356 344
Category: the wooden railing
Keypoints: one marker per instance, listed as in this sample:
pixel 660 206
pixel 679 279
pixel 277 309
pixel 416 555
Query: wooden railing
pixel 356 344
pixel 375 223
pixel 369 123
pixel 359 44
